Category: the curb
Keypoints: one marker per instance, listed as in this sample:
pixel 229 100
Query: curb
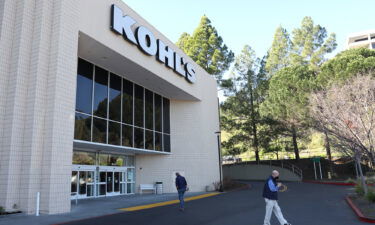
pixel 358 212
pixel 165 203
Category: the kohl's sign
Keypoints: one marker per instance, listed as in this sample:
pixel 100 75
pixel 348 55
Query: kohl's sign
pixel 146 41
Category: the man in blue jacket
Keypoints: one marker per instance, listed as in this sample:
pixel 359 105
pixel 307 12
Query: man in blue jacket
pixel 181 188
pixel 270 190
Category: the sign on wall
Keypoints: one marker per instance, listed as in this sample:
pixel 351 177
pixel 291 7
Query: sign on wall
pixel 147 43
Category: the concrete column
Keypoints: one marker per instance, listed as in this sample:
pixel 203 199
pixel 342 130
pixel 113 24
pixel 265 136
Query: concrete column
pixel 39 41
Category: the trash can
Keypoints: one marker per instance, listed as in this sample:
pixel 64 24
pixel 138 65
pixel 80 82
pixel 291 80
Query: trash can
pixel 159 188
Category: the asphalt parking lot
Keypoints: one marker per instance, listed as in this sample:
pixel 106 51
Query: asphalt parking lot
pixel 302 204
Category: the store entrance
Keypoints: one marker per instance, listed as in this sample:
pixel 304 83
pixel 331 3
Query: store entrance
pixel 101 181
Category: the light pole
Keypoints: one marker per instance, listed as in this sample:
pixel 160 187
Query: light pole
pixel 218 133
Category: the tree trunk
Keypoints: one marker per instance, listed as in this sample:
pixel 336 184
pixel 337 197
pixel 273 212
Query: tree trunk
pixel 328 150
pixel 363 182
pixel 295 145
pixel 254 125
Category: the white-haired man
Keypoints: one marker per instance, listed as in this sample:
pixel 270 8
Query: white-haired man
pixel 270 190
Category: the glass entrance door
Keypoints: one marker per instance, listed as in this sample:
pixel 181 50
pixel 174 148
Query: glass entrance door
pixel 100 181
pixel 114 178
pixel 83 182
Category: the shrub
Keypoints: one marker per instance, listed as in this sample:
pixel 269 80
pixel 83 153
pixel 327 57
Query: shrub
pixel 370 180
pixel 350 181
pixel 370 174
pixel 359 190
pixel 2 210
pixel 218 186
pixel 370 195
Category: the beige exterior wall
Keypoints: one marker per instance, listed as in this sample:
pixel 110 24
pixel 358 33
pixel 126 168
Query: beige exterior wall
pixel 40 41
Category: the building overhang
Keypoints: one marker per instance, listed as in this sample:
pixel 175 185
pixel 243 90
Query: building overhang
pixel 113 149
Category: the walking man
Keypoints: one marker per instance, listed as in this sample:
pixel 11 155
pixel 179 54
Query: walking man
pixel 270 190
pixel 181 188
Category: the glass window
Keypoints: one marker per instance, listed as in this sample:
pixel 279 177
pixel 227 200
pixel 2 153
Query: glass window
pixel 158 113
pixel 115 98
pixel 127 135
pixel 99 130
pixel 138 106
pixel 100 92
pixel 130 175
pixel 158 141
pixel 84 87
pixel 167 143
pixel 116 160
pixel 129 161
pixel 114 133
pixel 84 158
pixel 166 117
pixel 149 109
pixel 104 160
pixel 127 102
pixel 82 127
pixel 149 136
pixel 138 138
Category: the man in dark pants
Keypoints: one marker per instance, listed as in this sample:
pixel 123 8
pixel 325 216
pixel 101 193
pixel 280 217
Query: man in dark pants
pixel 181 188
pixel 271 187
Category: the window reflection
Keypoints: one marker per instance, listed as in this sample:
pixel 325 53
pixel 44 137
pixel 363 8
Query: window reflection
pixel 149 135
pixel 157 112
pixel 167 143
pixel 84 87
pixel 82 127
pixel 100 92
pixel 114 133
pixel 127 136
pixel 113 110
pixel 138 138
pixel 149 109
pixel 138 106
pixel 127 102
pixel 166 119
pixel 99 131
pixel 158 141
pixel 84 158
pixel 115 98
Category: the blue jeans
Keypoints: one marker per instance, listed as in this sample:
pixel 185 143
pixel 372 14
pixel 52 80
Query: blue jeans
pixel 181 193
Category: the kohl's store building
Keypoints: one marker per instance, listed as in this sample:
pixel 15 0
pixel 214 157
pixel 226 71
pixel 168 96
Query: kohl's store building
pixel 94 101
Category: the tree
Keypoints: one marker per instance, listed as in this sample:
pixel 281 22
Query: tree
pixel 339 69
pixel 278 55
pixel 240 110
pixel 207 49
pixel 308 46
pixel 287 99
pixel 344 66
pixel 347 112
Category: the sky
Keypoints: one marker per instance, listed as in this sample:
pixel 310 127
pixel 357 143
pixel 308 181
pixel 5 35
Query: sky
pixel 253 22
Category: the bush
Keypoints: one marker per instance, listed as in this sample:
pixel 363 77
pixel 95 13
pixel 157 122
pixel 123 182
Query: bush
pixel 359 190
pixel 370 180
pixel 370 195
pixel 370 173
pixel 2 210
pixel 350 181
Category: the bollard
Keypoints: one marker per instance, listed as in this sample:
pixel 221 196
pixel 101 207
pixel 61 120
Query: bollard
pixel 37 203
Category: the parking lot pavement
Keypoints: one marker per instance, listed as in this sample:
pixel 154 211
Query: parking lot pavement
pixel 302 204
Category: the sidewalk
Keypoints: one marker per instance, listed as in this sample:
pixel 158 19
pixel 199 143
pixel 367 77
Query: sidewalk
pixel 87 208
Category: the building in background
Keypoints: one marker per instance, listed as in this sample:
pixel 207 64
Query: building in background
pixel 94 101
pixel 364 39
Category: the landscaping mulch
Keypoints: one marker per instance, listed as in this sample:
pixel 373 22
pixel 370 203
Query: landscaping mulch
pixel 367 208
